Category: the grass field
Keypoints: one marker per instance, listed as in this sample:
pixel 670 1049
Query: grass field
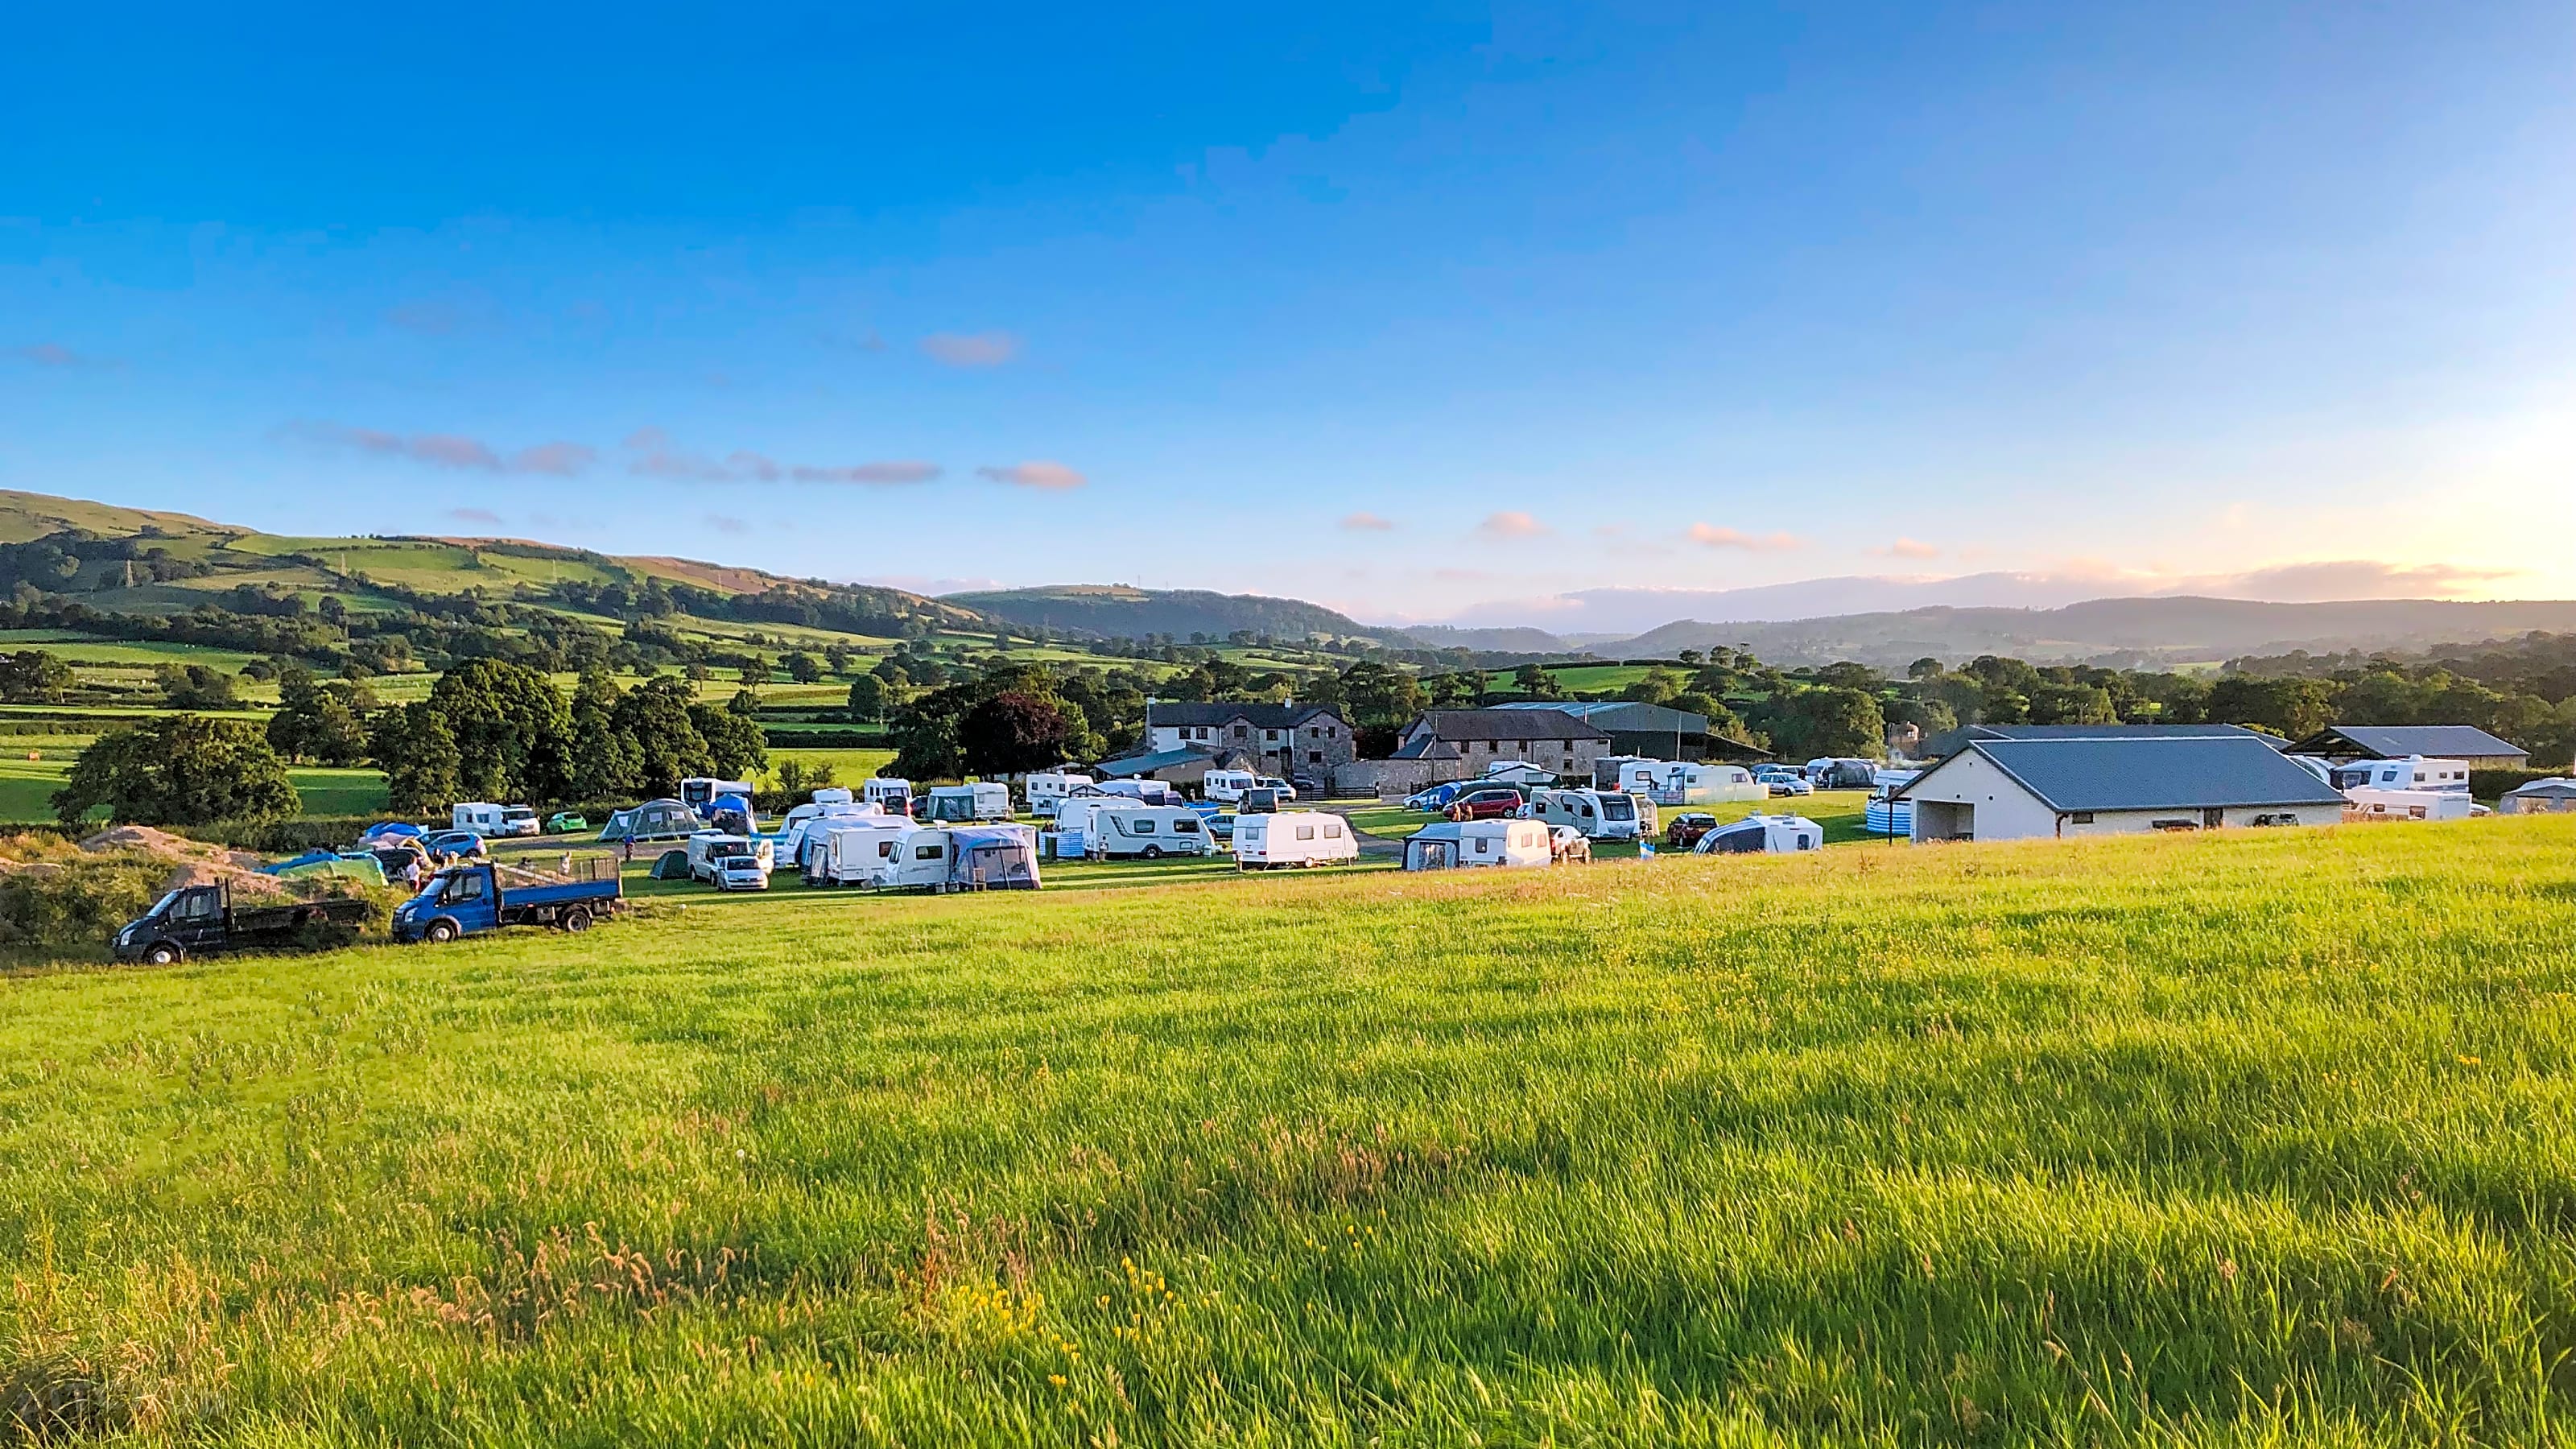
pixel 2253 1138
pixel 27 786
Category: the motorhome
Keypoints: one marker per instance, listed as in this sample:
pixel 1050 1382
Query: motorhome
pixel 2412 773
pixel 1293 837
pixel 1226 787
pixel 887 793
pixel 1048 788
pixel 1456 844
pixel 710 852
pixel 493 820
pixel 958 804
pixel 1148 831
pixel 1614 815
pixel 1681 782
pixel 1759 834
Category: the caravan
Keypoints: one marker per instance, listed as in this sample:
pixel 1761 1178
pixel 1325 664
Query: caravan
pixel 1048 788
pixel 493 820
pixel 1889 813
pixel 1293 837
pixel 1228 787
pixel 984 800
pixel 1683 782
pixel 806 824
pixel 1612 816
pixel 858 852
pixel 891 795
pixel 1149 832
pixel 1455 844
pixel 966 857
pixel 1758 834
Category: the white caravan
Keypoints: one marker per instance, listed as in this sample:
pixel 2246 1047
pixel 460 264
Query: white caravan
pixel 1615 815
pixel 1048 789
pixel 2365 803
pixel 1761 834
pixel 1148 831
pixel 1682 782
pixel 2412 773
pixel 1293 837
pixel 854 852
pixel 1226 787
pixel 490 820
pixel 1454 844
pixel 962 804
pixel 887 793
pixel 806 824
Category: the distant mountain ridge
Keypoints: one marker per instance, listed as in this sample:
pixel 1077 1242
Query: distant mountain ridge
pixel 1117 610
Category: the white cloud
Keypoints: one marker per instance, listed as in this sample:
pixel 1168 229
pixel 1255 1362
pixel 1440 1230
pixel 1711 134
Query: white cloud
pixel 1039 473
pixel 1511 524
pixel 1701 533
pixel 1364 522
pixel 971 349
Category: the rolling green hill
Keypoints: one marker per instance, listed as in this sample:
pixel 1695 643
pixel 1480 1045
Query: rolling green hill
pixel 1117 611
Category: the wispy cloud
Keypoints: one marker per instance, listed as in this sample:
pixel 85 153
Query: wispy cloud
pixel 971 349
pixel 475 515
pixel 2343 579
pixel 54 354
pixel 1908 548
pixel 900 471
pixel 1037 473
pixel 723 523
pixel 448 450
pixel 1510 524
pixel 1364 522
pixel 650 453
pixel 1704 534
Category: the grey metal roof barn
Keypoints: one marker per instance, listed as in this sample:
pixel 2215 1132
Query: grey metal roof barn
pixel 2396 742
pixel 1549 723
pixel 1950 742
pixel 2189 772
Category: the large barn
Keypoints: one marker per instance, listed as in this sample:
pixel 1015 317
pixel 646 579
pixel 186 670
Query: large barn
pixel 2020 789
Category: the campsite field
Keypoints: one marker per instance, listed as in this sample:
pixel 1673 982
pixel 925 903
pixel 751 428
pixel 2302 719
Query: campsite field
pixel 2260 1137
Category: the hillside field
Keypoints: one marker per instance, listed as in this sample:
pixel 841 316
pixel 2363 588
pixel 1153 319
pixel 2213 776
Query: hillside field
pixel 2252 1138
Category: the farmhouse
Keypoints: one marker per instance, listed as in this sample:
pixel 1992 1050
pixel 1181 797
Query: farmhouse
pixel 1284 739
pixel 2020 789
pixel 1548 737
pixel 1653 731
pixel 2481 751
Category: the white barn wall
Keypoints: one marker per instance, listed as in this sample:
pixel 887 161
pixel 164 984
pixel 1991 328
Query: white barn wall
pixel 2007 811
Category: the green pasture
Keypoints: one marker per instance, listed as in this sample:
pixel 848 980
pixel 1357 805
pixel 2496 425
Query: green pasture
pixel 2246 1138
pixel 27 786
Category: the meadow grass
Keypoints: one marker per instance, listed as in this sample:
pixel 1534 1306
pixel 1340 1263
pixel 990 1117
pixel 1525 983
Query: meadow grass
pixel 2257 1137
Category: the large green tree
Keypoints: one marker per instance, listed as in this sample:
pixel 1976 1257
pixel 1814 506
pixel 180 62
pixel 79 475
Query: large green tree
pixel 182 769
pixel 417 752
pixel 513 730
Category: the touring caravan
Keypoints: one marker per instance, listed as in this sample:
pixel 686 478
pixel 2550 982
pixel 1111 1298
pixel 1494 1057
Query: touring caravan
pixel 1456 844
pixel 891 795
pixel 1686 783
pixel 1615 815
pixel 1149 831
pixel 855 852
pixel 1293 837
pixel 986 800
pixel 1760 834
pixel 1047 789
pixel 493 820
pixel 2412 773
pixel 806 824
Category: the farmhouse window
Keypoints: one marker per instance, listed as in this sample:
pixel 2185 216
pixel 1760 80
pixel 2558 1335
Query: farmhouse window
pixel 2082 817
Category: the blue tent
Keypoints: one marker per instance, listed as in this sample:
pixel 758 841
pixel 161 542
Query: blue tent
pixel 383 828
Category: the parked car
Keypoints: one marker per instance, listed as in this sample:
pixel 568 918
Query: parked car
pixel 564 822
pixel 449 845
pixel 1492 802
pixel 1687 828
pixel 1782 780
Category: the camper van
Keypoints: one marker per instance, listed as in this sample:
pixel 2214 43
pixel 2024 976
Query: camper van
pixel 2412 773
pixel 1292 837
pixel 985 800
pixel 1681 782
pixel 1759 834
pixel 1615 815
pixel 1454 844
pixel 891 795
pixel 1148 831
pixel 1047 789
pixel 493 820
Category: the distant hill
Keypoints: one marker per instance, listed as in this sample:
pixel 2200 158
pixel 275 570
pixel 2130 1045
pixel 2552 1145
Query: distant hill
pixel 1117 611
pixel 2128 631
pixel 1489 641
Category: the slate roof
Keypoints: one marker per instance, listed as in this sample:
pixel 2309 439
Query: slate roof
pixel 2172 772
pixel 1259 716
pixel 1551 723
pixel 1426 747
pixel 2396 742
pixel 1622 714
pixel 1135 765
pixel 1950 742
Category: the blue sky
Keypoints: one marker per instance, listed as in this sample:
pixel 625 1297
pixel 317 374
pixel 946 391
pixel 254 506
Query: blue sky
pixel 1471 312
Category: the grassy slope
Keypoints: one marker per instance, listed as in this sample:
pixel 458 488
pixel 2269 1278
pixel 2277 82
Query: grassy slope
pixel 2262 1136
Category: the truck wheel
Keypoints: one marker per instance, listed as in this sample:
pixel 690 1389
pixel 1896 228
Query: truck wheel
pixel 1153 852
pixel 441 932
pixel 575 920
pixel 164 954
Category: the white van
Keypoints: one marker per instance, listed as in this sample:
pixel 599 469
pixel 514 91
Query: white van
pixel 887 793
pixel 487 819
pixel 1453 844
pixel 1148 831
pixel 1047 790
pixel 1293 837
pixel 961 804
pixel 1615 815
pixel 709 850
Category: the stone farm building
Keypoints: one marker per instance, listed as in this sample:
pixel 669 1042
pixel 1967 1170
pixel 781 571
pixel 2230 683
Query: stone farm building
pixel 1288 740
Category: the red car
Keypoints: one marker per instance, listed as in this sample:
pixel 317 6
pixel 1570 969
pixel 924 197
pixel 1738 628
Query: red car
pixel 1491 803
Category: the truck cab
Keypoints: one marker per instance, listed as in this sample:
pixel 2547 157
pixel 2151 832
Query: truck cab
pixel 467 900
pixel 204 920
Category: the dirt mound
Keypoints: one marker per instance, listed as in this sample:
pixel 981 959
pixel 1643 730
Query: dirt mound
pixel 191 862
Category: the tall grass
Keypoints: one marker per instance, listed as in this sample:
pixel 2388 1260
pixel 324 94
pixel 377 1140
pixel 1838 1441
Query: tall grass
pixel 2254 1138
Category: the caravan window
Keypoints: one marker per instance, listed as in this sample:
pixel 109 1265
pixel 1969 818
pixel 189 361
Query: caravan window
pixel 1305 832
pixel 926 852
pixel 1185 827
pixel 885 850
pixel 1484 845
pixel 1332 830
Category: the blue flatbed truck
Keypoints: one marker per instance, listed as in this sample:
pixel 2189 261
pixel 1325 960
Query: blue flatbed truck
pixel 467 900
